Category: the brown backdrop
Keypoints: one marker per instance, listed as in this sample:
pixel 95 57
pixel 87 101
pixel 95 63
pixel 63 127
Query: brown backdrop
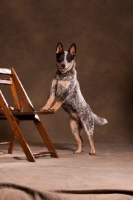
pixel 103 32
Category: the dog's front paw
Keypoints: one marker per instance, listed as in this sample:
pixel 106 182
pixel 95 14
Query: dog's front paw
pixel 47 110
pixel 51 110
pixel 44 109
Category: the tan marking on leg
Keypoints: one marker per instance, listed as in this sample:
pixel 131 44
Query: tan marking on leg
pixel 54 83
pixel 76 132
pixel 92 148
pixel 49 103
pixel 56 106
pixel 51 97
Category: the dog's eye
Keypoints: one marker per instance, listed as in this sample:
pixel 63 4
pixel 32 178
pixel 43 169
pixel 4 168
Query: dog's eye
pixel 69 58
pixel 61 58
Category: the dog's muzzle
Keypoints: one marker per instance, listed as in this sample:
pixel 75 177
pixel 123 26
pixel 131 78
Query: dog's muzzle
pixel 63 68
pixel 63 65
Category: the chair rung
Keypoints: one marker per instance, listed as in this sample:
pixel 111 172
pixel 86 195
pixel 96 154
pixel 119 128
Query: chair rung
pixel 4 143
pixel 5 71
pixel 15 112
pixel 6 81
pixel 42 153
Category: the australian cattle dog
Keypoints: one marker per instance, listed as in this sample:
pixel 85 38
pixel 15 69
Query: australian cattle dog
pixel 66 89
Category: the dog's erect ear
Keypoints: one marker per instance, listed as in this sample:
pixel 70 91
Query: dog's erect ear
pixel 72 49
pixel 59 47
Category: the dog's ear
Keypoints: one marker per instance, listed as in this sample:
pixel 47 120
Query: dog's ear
pixel 72 49
pixel 59 47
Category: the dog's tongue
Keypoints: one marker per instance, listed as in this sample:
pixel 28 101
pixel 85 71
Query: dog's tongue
pixel 63 70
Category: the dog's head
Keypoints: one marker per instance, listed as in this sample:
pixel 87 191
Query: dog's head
pixel 65 59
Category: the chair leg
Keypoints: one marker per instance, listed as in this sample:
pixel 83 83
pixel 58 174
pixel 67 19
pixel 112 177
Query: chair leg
pixel 45 138
pixel 11 145
pixel 15 128
pixel 12 141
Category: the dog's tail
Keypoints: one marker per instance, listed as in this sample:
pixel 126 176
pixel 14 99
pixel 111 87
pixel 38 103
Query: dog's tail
pixel 99 120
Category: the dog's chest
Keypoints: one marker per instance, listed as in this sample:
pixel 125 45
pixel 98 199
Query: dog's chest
pixel 63 84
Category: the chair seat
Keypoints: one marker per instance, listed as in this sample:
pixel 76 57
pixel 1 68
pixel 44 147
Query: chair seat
pixel 25 115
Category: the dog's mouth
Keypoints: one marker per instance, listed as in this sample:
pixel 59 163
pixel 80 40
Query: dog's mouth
pixel 63 70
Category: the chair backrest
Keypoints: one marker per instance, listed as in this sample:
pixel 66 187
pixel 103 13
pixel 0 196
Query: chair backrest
pixel 6 79
pixel 20 97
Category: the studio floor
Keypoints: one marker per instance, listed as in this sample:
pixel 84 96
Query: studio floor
pixel 70 176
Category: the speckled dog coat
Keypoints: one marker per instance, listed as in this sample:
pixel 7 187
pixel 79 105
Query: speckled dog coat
pixel 66 89
pixel 73 101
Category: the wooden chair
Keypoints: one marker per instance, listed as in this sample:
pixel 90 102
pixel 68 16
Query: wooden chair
pixel 15 114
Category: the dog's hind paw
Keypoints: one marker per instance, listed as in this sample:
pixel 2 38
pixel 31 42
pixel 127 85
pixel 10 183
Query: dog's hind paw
pixel 92 154
pixel 77 152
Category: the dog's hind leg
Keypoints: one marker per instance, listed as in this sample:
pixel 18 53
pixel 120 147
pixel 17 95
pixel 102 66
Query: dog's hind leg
pixel 89 132
pixel 76 129
pixel 92 151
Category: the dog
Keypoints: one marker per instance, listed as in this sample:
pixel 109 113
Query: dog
pixel 65 87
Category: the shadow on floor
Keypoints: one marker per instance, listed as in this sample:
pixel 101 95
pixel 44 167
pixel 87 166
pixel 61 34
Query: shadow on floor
pixel 13 191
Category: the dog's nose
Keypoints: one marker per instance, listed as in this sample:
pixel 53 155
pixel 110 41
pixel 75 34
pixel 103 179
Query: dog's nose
pixel 63 65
